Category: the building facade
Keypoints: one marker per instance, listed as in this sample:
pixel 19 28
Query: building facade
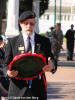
pixel 67 15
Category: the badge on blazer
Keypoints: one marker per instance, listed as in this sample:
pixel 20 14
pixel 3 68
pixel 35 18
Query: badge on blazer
pixel 21 48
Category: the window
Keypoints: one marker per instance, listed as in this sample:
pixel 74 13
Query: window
pixel 72 18
pixel 65 17
pixel 68 17
pixel 47 17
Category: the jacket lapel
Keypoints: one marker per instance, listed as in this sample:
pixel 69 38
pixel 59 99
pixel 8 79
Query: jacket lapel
pixel 20 48
pixel 20 45
pixel 37 44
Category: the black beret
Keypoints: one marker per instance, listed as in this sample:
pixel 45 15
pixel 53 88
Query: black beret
pixel 26 15
pixel 58 23
pixel 72 25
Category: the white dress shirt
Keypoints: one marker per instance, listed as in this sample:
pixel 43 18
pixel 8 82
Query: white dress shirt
pixel 25 36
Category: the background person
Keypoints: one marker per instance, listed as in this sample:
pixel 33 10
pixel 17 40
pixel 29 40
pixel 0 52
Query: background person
pixel 3 80
pixel 70 42
pixel 57 41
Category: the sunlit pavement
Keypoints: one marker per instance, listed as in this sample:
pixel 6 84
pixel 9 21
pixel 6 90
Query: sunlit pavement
pixel 61 85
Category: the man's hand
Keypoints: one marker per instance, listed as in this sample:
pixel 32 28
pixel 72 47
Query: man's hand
pixel 48 67
pixel 12 73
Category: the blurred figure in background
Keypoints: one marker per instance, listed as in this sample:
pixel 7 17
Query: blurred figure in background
pixel 57 41
pixel 49 34
pixel 70 42
pixel 1 48
pixel 52 29
pixel 3 80
pixel 3 91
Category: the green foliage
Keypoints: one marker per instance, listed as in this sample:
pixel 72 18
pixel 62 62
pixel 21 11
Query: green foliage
pixel 27 5
pixel 43 6
pixel 64 39
pixel 43 34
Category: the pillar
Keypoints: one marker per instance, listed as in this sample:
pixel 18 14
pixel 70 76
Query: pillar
pixel 12 28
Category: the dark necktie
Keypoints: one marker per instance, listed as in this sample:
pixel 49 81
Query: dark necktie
pixel 29 48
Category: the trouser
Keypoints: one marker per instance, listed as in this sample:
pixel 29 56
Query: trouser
pixel 69 55
pixel 21 90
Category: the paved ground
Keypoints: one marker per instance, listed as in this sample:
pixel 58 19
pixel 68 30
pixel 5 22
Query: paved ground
pixel 61 85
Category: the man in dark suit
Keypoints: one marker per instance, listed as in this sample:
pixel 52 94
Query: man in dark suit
pixel 70 42
pixel 19 89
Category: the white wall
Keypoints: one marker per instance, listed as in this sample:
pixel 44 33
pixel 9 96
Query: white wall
pixel 45 24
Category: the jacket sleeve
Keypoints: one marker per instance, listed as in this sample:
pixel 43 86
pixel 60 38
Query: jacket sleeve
pixel 49 54
pixel 8 56
pixel 48 49
pixel 67 34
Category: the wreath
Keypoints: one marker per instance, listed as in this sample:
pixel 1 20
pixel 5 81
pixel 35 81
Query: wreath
pixel 28 65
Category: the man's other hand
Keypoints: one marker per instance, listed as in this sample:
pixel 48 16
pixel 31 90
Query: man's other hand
pixel 48 67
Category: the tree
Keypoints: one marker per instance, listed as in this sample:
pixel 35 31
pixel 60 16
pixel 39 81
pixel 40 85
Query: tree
pixel 43 6
pixel 25 5
pixel 28 5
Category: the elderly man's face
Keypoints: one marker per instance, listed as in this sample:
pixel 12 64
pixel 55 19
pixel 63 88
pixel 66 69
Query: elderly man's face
pixel 28 26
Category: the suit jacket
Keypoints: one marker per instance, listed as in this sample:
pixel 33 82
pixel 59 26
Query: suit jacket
pixel 14 47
